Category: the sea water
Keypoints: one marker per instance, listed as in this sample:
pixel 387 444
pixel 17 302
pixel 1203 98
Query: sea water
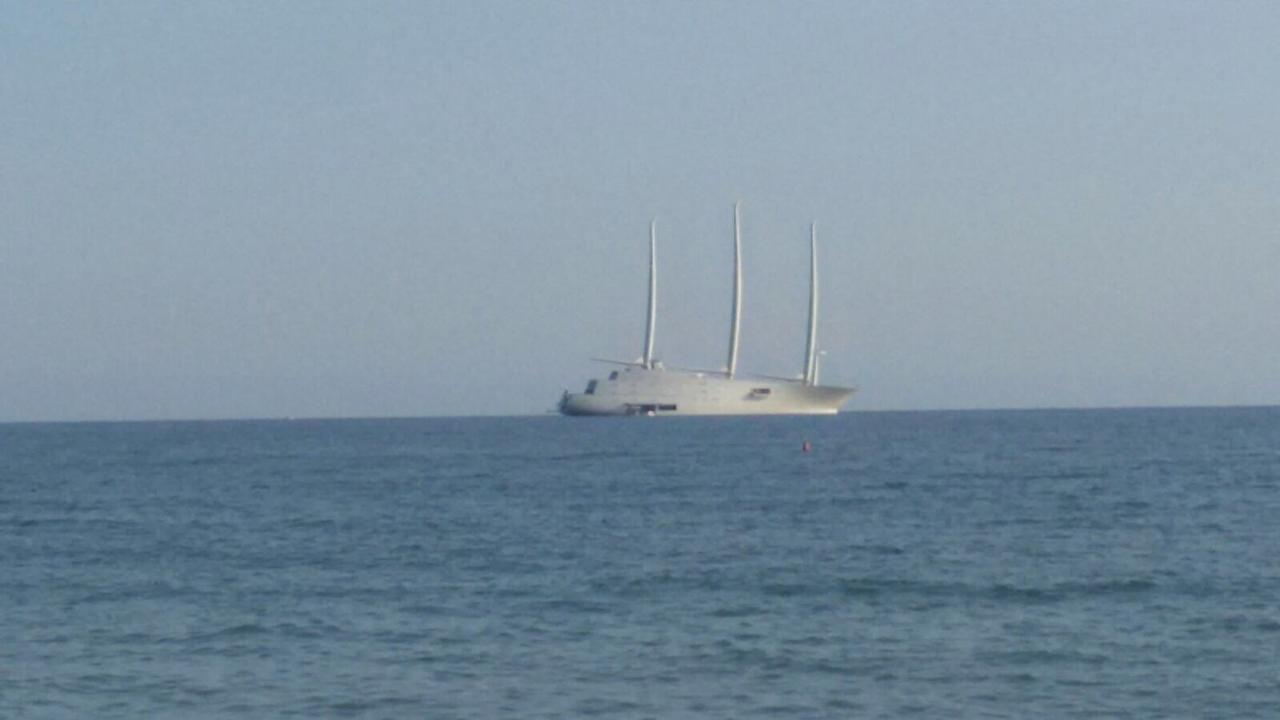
pixel 1121 563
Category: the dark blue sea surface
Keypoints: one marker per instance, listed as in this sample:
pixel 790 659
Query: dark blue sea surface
pixel 1112 563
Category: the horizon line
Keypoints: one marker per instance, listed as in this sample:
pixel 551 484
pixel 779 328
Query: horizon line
pixel 551 413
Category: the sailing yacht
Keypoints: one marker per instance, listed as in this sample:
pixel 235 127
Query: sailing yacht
pixel 646 387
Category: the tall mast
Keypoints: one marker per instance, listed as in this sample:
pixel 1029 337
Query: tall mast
pixel 653 295
pixel 735 318
pixel 811 342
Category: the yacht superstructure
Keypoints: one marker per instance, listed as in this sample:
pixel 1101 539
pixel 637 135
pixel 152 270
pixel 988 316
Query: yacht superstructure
pixel 646 387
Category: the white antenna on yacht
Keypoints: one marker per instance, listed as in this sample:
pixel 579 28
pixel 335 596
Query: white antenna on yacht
pixel 735 318
pixel 811 342
pixel 653 295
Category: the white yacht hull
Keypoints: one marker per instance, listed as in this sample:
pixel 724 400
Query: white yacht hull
pixel 642 391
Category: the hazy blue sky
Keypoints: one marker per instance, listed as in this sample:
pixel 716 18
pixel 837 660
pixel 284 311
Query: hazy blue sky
pixel 342 209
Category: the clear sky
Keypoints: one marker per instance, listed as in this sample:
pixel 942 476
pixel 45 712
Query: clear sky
pixel 248 209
